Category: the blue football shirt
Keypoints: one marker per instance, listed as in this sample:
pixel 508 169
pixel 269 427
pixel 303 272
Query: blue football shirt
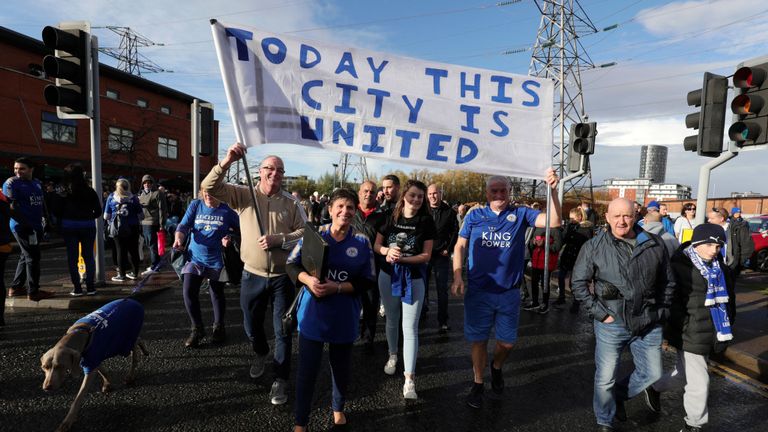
pixel 26 196
pixel 334 318
pixel 115 328
pixel 496 246
pixel 208 227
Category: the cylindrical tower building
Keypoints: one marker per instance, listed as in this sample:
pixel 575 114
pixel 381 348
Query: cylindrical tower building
pixel 653 163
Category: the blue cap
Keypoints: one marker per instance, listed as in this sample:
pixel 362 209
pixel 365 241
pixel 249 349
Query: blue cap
pixel 653 204
pixel 735 210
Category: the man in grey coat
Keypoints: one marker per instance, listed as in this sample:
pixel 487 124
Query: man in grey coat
pixel 155 213
pixel 633 288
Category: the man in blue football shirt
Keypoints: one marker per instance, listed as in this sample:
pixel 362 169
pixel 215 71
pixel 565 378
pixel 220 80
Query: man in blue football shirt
pixel 493 238
pixel 26 197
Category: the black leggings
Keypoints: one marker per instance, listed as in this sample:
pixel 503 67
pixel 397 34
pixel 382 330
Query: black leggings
pixel 191 291
pixel 128 245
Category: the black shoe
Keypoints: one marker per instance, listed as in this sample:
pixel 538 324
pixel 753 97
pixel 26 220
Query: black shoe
pixel 621 413
pixel 369 348
pixel 219 334
pixel 652 399
pixel 543 309
pixel 444 329
pixel 604 428
pixel 193 341
pixel 475 398
pixel 497 380
pixel 688 428
pixel 531 307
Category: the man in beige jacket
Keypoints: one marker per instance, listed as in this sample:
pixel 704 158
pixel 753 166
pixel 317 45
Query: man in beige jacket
pixel 264 254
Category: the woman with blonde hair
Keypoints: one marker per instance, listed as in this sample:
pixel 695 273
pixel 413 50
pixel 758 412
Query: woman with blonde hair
pixel 123 212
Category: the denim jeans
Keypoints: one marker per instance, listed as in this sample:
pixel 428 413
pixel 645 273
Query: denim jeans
pixel 310 361
pixel 150 240
pixel 441 266
pixel 256 293
pixel 28 268
pixel 611 339
pixel 84 237
pixel 393 306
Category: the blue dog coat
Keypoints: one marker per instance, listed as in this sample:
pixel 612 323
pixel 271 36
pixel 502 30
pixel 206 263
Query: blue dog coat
pixel 114 330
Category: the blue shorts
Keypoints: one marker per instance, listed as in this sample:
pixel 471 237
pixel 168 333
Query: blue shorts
pixel 484 309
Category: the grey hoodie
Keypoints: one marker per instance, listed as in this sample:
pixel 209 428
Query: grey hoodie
pixel 670 242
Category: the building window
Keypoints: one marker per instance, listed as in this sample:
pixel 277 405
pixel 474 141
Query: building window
pixel 142 103
pixel 58 130
pixel 120 140
pixel 167 148
pixel 165 109
pixel 113 94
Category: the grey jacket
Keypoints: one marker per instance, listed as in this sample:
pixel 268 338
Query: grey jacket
pixel 155 205
pixel 634 285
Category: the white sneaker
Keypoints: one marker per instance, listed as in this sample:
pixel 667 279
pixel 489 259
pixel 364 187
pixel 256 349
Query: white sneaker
pixel 278 395
pixel 381 311
pixel 391 365
pixel 148 271
pixel 409 389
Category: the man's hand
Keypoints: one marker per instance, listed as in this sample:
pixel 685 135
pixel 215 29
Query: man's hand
pixel 226 241
pixel 444 253
pixel 608 320
pixel 457 287
pixel 235 152
pixel 270 241
pixel 551 178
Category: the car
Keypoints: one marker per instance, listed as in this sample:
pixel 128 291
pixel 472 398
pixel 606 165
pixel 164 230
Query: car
pixel 758 228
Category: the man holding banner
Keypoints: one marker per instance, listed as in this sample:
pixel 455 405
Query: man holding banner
pixel 493 237
pixel 267 239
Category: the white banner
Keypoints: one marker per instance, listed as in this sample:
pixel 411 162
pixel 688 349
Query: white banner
pixel 282 89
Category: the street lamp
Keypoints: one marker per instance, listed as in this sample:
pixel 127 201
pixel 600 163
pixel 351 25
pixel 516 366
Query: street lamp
pixel 335 170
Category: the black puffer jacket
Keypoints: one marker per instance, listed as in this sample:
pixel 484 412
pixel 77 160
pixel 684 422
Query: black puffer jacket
pixel 690 326
pixel 633 285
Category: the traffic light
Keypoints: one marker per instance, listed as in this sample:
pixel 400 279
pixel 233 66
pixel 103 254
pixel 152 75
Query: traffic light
pixel 750 127
pixel 581 145
pixel 206 130
pixel 710 120
pixel 71 66
pixel 583 138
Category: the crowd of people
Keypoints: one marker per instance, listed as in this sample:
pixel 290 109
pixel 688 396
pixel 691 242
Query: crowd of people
pixel 642 278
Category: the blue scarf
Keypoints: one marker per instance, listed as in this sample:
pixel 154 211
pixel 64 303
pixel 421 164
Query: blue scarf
pixel 717 295
pixel 402 282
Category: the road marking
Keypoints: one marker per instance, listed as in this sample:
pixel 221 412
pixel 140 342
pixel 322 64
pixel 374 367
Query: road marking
pixel 739 378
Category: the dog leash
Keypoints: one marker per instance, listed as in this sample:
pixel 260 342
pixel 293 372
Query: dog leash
pixel 155 268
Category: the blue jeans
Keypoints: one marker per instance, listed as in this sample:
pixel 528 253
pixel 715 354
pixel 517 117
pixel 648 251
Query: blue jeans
pixel 393 306
pixel 84 237
pixel 441 266
pixel 611 339
pixel 256 293
pixel 149 233
pixel 310 356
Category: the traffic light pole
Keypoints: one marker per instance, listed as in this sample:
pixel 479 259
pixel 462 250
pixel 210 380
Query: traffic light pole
pixel 703 191
pixel 195 116
pixel 95 122
pixel 561 184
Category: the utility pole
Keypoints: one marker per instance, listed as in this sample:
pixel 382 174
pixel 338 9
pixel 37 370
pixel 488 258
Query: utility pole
pixel 559 55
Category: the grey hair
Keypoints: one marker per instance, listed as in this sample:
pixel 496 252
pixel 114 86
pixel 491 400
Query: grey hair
pixel 270 157
pixel 498 179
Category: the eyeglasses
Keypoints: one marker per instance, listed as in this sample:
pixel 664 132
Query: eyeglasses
pixel 271 168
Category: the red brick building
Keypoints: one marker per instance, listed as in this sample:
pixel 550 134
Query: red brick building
pixel 145 126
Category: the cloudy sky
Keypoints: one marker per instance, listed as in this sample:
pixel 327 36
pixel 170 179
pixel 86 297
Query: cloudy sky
pixel 660 49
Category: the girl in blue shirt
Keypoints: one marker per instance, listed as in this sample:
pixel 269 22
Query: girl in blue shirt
pixel 329 310
pixel 125 205
pixel 210 223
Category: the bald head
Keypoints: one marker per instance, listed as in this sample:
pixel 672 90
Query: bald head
pixel 621 217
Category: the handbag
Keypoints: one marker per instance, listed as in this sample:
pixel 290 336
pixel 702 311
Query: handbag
pixel 290 319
